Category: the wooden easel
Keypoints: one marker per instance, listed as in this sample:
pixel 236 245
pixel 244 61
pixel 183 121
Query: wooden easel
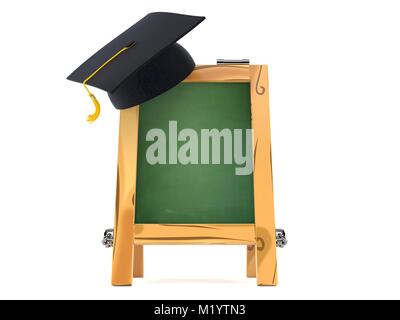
pixel 259 237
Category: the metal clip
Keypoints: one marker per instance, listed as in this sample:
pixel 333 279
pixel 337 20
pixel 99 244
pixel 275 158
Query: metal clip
pixel 108 239
pixel 233 61
pixel 281 240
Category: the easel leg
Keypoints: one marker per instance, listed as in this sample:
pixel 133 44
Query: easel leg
pixel 266 259
pixel 251 262
pixel 263 185
pixel 138 262
pixel 122 268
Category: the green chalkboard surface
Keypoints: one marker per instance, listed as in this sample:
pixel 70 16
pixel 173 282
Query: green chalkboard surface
pixel 202 193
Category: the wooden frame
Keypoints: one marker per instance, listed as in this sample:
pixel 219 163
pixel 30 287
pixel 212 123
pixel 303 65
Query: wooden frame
pixel 259 238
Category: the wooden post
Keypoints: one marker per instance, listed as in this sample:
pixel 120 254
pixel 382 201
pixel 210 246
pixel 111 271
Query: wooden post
pixel 138 269
pixel 122 267
pixel 263 185
pixel 251 262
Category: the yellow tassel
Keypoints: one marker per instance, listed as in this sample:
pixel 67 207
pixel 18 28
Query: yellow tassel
pixel 93 117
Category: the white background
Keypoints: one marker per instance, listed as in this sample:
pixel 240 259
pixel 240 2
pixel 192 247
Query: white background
pixel 334 71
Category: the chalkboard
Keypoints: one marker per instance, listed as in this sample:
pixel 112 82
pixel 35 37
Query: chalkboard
pixel 194 193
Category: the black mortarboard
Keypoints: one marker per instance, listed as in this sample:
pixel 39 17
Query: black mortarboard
pixel 143 62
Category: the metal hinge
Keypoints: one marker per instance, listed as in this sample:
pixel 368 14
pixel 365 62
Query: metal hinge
pixel 108 238
pixel 281 240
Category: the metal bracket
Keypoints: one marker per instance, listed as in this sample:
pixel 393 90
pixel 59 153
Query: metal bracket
pixel 281 240
pixel 108 238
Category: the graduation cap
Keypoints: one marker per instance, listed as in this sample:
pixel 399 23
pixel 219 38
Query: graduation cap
pixel 141 63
